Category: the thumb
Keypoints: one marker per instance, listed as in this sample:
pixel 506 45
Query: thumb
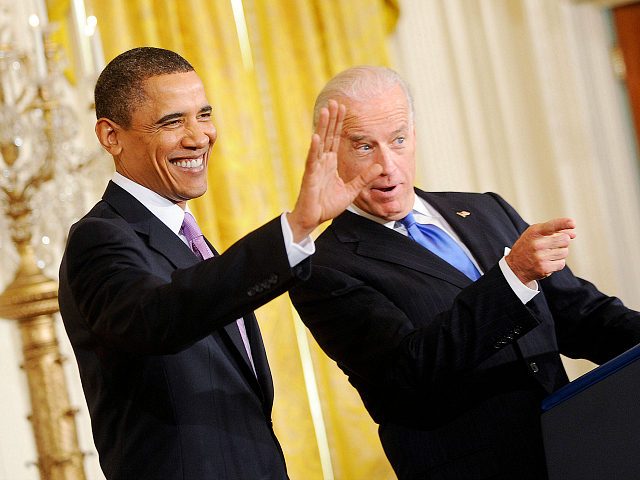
pixel 365 178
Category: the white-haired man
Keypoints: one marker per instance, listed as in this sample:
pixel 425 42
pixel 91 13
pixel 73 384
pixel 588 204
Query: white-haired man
pixel 451 340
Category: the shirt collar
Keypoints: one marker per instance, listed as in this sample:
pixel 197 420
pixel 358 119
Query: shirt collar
pixel 358 211
pixel 422 211
pixel 167 212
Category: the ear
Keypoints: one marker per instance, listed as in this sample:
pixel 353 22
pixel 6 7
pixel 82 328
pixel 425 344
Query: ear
pixel 108 132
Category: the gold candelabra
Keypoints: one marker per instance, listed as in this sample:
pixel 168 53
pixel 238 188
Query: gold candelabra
pixel 35 130
pixel 32 300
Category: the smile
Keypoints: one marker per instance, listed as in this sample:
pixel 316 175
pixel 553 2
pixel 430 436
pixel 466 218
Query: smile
pixel 194 163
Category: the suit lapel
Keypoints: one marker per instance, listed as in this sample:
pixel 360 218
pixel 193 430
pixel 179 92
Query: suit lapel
pixel 157 235
pixel 377 241
pixel 374 240
pixel 233 331
pixel 468 227
pixel 161 239
pixel 258 353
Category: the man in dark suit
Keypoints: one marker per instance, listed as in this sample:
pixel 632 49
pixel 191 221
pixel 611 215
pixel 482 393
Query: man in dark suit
pixel 452 366
pixel 170 355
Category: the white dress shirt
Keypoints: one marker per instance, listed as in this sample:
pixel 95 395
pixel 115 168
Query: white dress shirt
pixel 172 216
pixel 425 214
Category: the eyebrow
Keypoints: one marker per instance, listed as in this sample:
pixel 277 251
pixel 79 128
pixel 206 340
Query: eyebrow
pixel 171 116
pixel 402 129
pixel 359 137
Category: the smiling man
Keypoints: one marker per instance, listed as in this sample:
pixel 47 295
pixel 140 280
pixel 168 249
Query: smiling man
pixel 170 355
pixel 451 342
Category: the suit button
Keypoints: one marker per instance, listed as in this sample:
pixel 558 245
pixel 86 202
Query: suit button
pixel 251 292
pixel 534 367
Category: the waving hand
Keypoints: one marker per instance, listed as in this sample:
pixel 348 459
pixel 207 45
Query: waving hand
pixel 323 195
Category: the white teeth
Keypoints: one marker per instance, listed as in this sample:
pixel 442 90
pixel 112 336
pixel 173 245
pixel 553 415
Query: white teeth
pixel 189 163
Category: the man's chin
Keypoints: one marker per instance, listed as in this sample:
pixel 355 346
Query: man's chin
pixel 390 211
pixel 191 193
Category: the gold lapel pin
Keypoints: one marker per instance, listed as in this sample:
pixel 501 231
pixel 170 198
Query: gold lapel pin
pixel 463 213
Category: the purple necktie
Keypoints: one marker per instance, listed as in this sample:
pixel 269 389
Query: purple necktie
pixel 194 236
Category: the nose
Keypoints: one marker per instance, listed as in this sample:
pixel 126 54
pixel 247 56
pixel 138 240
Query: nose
pixel 385 159
pixel 198 135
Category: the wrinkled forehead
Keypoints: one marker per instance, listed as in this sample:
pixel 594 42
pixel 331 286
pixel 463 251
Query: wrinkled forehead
pixel 388 111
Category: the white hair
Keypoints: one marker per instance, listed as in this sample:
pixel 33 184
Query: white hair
pixel 361 83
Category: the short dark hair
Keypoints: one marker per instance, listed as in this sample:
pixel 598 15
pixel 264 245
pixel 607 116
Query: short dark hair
pixel 120 86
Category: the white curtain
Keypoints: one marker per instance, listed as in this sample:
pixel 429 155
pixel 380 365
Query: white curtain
pixel 519 97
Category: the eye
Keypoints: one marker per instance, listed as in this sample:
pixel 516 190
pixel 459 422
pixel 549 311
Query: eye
pixel 364 147
pixel 400 140
pixel 172 123
pixel 205 116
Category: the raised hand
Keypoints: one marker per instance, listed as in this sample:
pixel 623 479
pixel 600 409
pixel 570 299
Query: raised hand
pixel 541 250
pixel 323 195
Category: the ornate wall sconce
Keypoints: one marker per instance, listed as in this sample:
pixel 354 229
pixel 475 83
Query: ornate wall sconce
pixel 39 159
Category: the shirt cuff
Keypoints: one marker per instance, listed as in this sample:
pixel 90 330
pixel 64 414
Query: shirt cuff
pixel 523 292
pixel 296 252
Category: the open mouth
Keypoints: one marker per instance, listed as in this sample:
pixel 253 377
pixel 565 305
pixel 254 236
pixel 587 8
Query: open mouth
pixel 385 189
pixel 192 163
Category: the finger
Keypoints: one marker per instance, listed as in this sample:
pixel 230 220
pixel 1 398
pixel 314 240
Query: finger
pixel 329 162
pixel 365 178
pixel 558 254
pixel 338 131
pixel 332 106
pixel 315 150
pixel 556 225
pixel 558 240
pixel 321 127
pixel 555 266
pixel 548 267
pixel 571 233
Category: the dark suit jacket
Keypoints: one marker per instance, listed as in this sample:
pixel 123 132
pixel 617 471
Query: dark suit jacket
pixel 167 380
pixel 453 371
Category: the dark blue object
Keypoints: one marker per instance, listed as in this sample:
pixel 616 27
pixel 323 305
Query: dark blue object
pixel 591 378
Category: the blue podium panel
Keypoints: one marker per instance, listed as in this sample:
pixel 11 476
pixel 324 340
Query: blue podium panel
pixel 591 427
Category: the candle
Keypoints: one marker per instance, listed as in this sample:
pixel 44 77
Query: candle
pixel 83 50
pixel 97 52
pixel 39 58
pixel 41 10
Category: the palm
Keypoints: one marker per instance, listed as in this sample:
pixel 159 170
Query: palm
pixel 323 195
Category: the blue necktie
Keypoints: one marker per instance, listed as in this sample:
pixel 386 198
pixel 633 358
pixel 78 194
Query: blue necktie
pixel 437 241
